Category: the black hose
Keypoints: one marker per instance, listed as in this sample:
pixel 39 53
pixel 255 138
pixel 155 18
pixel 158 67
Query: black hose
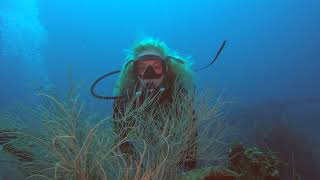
pixel 97 81
pixel 215 57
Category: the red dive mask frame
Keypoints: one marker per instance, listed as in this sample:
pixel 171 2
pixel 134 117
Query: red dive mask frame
pixel 149 67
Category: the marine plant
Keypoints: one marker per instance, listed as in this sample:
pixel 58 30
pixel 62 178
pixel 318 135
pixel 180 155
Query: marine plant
pixel 68 144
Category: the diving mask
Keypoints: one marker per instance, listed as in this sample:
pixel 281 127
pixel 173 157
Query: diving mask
pixel 149 67
pixel 150 71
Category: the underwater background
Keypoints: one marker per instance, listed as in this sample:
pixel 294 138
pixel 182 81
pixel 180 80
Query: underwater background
pixel 269 67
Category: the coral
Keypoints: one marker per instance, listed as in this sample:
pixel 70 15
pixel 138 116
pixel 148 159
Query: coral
pixel 285 127
pixel 254 164
pixel 244 164
pixel 294 148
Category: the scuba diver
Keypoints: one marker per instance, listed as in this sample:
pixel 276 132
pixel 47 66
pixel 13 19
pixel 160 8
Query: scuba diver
pixel 152 69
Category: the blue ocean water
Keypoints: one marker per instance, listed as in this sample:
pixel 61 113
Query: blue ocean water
pixel 270 65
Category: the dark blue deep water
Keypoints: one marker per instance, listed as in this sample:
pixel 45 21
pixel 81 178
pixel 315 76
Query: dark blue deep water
pixel 270 66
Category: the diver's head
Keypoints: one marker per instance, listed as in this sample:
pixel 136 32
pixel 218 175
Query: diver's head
pixel 150 63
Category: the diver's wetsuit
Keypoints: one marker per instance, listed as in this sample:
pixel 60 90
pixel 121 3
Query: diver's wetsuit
pixel 122 128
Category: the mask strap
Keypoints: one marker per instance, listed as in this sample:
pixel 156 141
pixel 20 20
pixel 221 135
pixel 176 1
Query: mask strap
pixel 131 61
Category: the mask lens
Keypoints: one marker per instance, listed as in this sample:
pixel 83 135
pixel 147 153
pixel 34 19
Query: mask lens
pixel 142 65
pixel 157 67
